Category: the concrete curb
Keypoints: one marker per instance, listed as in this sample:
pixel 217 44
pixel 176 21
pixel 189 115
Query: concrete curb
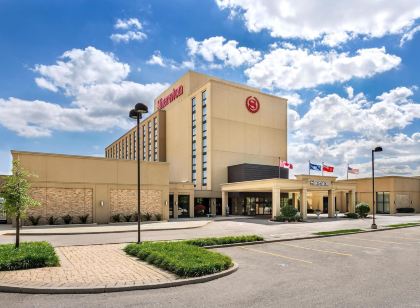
pixel 107 289
pixel 101 232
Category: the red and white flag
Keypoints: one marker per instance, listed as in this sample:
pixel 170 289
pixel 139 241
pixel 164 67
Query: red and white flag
pixel 326 168
pixel 285 164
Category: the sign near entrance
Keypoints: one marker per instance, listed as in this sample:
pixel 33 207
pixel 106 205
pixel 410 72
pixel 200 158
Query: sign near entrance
pixel 252 104
pixel 165 101
pixel 318 183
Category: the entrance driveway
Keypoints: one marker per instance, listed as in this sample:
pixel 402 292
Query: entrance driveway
pixel 377 269
pixel 224 227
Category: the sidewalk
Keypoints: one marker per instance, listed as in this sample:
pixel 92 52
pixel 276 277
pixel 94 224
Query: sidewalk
pixel 109 228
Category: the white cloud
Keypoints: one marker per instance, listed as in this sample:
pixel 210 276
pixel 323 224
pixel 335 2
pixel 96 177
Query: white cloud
pixel 301 68
pixel 158 59
pixel 96 83
pixel 128 36
pixel 350 92
pixel 128 23
pixel 409 35
pixel 217 48
pixel 341 130
pixel 132 27
pixel 331 22
pixel 293 99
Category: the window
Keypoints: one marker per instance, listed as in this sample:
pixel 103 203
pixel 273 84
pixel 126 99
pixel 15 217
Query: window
pixel 144 142
pixel 135 145
pixel 122 149
pixel 155 139
pixel 194 142
pixel 204 137
pixel 126 148
pixel 149 127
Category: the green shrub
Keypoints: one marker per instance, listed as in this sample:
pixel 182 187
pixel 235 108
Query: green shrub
pixel 128 217
pixel 343 231
pixel 158 217
pixel 362 209
pixel 147 216
pixel 212 241
pixel 289 211
pixel 352 215
pixel 180 258
pixel 28 255
pixel 52 220
pixel 116 218
pixel 135 216
pixel 34 220
pixel 67 219
pixel 83 218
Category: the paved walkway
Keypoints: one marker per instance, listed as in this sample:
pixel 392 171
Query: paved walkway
pixel 109 228
pixel 98 266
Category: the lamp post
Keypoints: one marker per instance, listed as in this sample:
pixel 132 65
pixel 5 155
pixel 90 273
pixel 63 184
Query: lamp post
pixel 377 149
pixel 137 113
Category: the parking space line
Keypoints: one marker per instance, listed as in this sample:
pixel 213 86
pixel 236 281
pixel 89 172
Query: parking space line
pixel 319 250
pixel 378 241
pixel 414 240
pixel 275 255
pixel 344 244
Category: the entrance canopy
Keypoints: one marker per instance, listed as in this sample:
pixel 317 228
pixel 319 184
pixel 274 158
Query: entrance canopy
pixel 302 184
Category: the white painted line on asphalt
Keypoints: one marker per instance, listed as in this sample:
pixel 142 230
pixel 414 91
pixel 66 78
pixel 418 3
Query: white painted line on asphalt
pixel 276 255
pixel 352 245
pixel 318 250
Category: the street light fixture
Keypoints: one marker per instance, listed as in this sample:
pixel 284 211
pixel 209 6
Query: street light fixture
pixel 377 149
pixel 137 113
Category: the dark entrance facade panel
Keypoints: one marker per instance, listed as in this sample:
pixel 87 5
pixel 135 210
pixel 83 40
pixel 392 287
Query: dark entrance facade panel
pixel 202 207
pixel 251 172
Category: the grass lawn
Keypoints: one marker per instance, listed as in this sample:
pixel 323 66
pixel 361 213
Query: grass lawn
pixel 212 241
pixel 344 231
pixel 408 224
pixel 180 258
pixel 28 255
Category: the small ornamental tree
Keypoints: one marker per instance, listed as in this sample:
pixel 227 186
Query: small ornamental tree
pixel 362 209
pixel 15 191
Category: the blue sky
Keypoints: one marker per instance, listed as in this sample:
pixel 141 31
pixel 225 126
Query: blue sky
pixel 70 70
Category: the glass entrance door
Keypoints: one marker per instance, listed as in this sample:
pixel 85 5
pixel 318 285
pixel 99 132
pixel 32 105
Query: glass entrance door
pixel 382 202
pixel 171 206
pixel 183 206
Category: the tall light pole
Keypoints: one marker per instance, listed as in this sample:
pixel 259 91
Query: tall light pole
pixel 137 113
pixel 377 149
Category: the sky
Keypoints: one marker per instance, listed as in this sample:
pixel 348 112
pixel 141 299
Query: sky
pixel 71 70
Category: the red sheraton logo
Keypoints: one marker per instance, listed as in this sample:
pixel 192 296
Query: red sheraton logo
pixel 165 101
pixel 252 104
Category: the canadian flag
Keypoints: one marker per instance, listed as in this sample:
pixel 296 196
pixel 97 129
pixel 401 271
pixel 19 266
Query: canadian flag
pixel 285 164
pixel 326 168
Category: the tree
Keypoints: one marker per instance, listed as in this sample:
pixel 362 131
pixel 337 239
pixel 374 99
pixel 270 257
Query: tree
pixel 15 191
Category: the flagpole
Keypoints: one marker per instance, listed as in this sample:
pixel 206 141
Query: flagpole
pixel 347 172
pixel 279 167
pixel 309 167
pixel 322 168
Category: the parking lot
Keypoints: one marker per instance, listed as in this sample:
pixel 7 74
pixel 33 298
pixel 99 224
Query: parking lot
pixel 379 269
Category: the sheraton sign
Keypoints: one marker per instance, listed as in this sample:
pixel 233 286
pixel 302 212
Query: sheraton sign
pixel 165 101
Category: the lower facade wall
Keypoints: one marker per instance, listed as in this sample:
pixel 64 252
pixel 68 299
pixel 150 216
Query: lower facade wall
pixel 59 202
pixel 124 201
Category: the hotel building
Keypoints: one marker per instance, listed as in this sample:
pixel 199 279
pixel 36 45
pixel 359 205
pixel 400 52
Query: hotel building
pixel 208 147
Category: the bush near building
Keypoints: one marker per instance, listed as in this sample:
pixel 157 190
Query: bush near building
pixel 180 258
pixel 352 215
pixel 28 255
pixel 289 213
pixel 362 209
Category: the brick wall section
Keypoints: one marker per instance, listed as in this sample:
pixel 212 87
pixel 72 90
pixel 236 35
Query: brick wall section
pixel 58 202
pixel 124 201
